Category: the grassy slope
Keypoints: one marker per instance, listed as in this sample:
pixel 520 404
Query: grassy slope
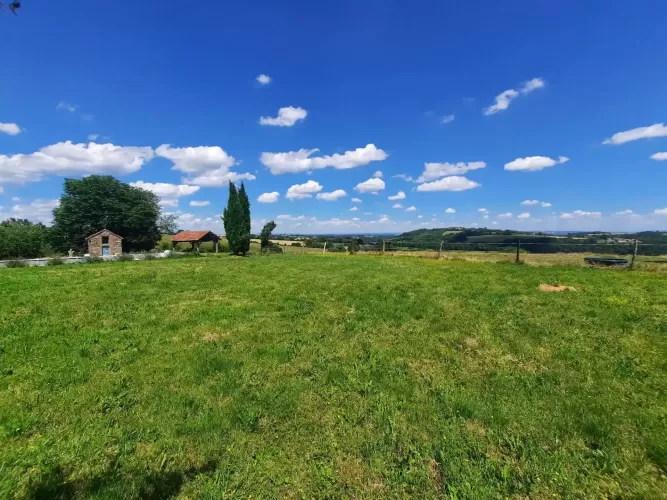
pixel 294 376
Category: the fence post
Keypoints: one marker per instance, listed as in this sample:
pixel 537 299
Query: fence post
pixel 303 248
pixel 440 251
pixel 324 250
pixel 518 247
pixel 383 247
pixel 634 255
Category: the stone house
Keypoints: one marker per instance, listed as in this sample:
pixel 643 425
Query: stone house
pixel 104 243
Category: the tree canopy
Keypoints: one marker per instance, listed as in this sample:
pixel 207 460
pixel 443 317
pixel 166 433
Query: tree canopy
pixel 103 202
pixel 20 238
pixel 265 235
pixel 236 219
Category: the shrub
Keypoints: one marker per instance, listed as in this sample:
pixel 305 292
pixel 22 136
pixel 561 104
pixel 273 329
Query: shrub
pixel 125 257
pixel 20 238
pixel 55 261
pixel 296 244
pixel 148 256
pixel 93 259
pixel 17 263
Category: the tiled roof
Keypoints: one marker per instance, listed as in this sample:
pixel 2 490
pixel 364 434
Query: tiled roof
pixel 185 236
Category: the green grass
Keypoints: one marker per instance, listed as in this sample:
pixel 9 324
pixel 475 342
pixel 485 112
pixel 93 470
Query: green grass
pixel 339 376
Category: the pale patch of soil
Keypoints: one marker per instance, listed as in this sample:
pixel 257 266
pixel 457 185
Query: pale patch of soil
pixel 556 288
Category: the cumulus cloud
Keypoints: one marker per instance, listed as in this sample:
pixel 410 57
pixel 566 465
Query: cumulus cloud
pixel 168 193
pixel 405 177
pixel 305 190
pixel 625 212
pixel 524 215
pixel 447 119
pixel 356 200
pixel 287 117
pixel 437 170
pixel 66 158
pixel 93 137
pixel 450 211
pixel 36 211
pixel 263 79
pixel 660 211
pixel 504 99
pixel 659 156
pixel 195 203
pixel 452 183
pixel 207 166
pixel 397 205
pixel 10 128
pixel 65 106
pixel 378 174
pixel 14 198
pixel 483 210
pixel 301 161
pixel 372 185
pixel 506 215
pixel 333 196
pixel 579 214
pixel 530 202
pixel 398 196
pixel 353 209
pixel 411 209
pixel 534 163
pixel 545 204
pixel 655 130
pixel 271 197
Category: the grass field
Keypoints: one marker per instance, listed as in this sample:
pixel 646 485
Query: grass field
pixel 300 376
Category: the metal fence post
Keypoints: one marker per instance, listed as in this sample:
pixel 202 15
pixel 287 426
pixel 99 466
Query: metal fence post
pixel 518 247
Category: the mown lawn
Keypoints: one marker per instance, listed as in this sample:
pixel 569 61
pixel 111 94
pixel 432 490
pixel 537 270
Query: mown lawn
pixel 335 376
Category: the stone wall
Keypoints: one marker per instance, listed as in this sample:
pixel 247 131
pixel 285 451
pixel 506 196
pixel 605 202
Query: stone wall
pixel 95 244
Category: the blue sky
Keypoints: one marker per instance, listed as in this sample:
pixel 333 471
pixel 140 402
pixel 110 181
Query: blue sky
pixel 506 103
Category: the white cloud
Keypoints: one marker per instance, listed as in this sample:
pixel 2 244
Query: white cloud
pixel 65 106
pixel 168 193
pixel 372 185
pixel 579 213
pixel 192 222
pixel 486 216
pixel 378 174
pixel 447 119
pixel 534 163
pixel 530 202
pixel 494 223
pixel 524 215
pixel 659 156
pixel 353 209
pixel 506 215
pixel 660 211
pixel 287 117
pixel 545 204
pixel 398 196
pixel 271 197
pixel 301 161
pixel 420 216
pixel 15 198
pixel 66 158
pixel 483 210
pixel 625 212
pixel 93 137
pixel 356 219
pixel 453 183
pixel 356 200
pixel 397 205
pixel 195 203
pixel 411 209
pixel 207 166
pixel 10 128
pixel 534 84
pixel 655 130
pixel 450 211
pixel 368 213
pixel 437 170
pixel 504 99
pixel 36 211
pixel 406 178
pixel 264 79
pixel 305 190
pixel 333 196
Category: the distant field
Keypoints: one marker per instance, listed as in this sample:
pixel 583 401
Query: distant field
pixel 302 376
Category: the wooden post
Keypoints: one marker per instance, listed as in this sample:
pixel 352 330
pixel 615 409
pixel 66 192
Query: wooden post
pixel 324 250
pixel 440 251
pixel 634 255
pixel 303 248
pixel 518 247
pixel 383 242
pixel 216 246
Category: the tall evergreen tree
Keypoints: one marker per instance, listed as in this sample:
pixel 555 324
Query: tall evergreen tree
pixel 231 219
pixel 244 234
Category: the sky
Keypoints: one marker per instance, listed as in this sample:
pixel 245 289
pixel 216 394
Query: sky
pixel 344 117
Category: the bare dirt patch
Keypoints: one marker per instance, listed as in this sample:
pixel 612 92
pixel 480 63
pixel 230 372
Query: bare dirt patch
pixel 556 288
pixel 213 336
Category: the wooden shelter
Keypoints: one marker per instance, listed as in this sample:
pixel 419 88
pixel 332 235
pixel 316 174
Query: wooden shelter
pixel 104 242
pixel 195 238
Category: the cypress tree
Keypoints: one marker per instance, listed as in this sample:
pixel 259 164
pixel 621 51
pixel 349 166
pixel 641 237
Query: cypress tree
pixel 244 227
pixel 231 219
